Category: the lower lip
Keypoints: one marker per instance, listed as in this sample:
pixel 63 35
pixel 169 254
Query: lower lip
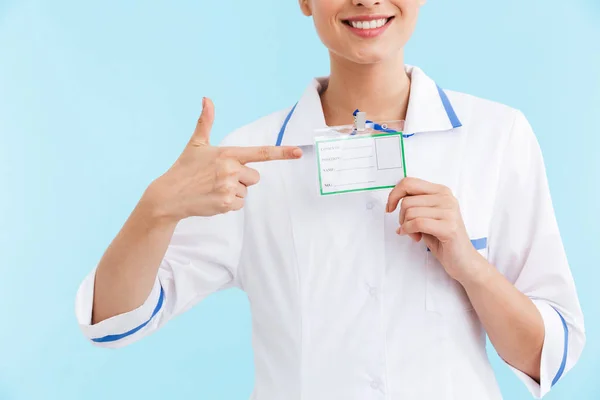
pixel 369 33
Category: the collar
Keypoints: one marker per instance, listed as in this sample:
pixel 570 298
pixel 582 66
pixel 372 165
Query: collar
pixel 429 110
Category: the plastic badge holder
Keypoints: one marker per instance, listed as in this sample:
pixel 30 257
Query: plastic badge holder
pixel 361 157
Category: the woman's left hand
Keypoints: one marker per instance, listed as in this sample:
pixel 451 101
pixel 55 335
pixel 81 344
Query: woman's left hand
pixel 430 212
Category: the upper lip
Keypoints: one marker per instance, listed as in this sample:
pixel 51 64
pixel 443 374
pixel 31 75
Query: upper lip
pixel 358 18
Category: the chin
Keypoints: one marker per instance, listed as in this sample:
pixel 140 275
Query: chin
pixel 369 59
pixel 368 55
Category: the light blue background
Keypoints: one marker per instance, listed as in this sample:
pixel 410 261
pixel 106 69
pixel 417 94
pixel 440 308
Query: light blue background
pixel 98 98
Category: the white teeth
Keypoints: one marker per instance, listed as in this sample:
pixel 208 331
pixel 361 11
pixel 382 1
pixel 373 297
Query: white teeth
pixel 373 24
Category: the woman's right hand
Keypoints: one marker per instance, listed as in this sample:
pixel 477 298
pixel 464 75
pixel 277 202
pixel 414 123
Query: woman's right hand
pixel 208 180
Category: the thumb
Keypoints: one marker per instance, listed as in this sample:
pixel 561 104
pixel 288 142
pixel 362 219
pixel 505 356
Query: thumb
pixel 201 136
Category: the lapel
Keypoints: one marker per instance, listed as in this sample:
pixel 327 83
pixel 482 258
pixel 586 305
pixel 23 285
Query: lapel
pixel 429 110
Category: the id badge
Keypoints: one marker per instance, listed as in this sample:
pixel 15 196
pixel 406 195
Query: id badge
pixel 349 160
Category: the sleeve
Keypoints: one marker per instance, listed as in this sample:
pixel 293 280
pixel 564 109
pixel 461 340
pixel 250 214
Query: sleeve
pixel 526 247
pixel 202 258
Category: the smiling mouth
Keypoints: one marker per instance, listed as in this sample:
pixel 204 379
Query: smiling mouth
pixel 368 24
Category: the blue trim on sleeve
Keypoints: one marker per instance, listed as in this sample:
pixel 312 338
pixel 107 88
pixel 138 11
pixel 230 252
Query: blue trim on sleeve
pixel 449 109
pixel 113 338
pixel 479 244
pixel 563 363
pixel 285 123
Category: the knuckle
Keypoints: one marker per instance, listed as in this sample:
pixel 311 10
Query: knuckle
pixel 227 202
pixel 264 153
pixel 450 200
pixel 195 143
pixel 408 181
pixel 229 167
pixel 238 205
pixel 230 187
pixel 225 188
pixel 221 153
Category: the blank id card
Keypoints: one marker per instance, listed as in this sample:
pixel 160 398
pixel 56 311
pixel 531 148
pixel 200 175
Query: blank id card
pixel 360 163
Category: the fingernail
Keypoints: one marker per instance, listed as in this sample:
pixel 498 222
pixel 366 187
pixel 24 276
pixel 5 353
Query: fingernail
pixel 387 208
pixel 203 102
pixel 399 231
pixel 297 153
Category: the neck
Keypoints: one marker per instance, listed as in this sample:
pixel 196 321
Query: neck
pixel 381 90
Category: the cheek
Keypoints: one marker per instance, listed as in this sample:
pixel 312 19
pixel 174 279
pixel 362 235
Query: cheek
pixel 407 4
pixel 408 18
pixel 409 10
pixel 329 31
pixel 324 17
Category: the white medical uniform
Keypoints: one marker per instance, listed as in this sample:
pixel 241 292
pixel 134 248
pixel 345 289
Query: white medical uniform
pixel 344 308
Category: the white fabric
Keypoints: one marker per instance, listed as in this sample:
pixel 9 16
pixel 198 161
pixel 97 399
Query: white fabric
pixel 342 307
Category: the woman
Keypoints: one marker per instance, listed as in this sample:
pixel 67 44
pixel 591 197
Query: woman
pixel 381 294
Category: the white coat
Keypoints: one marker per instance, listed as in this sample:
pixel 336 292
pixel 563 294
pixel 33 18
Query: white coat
pixel 344 308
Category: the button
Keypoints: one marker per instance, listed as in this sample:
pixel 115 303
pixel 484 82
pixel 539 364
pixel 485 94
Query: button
pixel 375 385
pixel 373 291
pixel 370 205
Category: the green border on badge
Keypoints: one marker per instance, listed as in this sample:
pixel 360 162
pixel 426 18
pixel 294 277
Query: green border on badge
pixel 359 137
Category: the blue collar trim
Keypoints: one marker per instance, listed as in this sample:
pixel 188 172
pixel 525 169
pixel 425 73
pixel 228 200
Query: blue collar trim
pixel 449 109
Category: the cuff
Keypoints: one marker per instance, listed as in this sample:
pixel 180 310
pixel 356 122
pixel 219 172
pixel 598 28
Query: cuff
pixel 554 351
pixel 121 328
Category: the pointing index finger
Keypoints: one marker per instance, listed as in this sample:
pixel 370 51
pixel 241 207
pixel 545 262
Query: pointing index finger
pixel 262 153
